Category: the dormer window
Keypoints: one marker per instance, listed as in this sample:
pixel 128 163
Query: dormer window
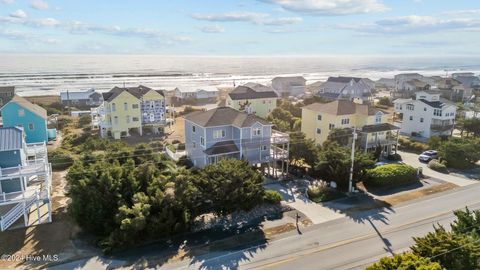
pixel 257 132
pixel 378 119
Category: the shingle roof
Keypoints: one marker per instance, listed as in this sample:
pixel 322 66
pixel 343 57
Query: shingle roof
pixel 244 92
pixel 379 127
pixel 11 138
pixel 224 116
pixel 222 148
pixel 76 94
pixel 138 92
pixel 29 106
pixel 342 107
pixel 343 79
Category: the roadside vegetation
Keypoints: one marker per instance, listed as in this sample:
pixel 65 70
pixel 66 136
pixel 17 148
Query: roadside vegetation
pixel 390 175
pixel 442 249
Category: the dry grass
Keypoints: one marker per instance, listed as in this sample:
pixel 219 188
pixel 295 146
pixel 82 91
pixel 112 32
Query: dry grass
pixel 45 100
pixel 396 199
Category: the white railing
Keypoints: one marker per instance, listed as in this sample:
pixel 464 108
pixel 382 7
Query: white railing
pixel 175 155
pixel 16 212
pixel 32 168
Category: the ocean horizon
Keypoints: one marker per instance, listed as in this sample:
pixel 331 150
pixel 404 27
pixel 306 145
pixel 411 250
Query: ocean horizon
pixel 49 74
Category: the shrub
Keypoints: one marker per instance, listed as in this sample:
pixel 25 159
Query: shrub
pixel 320 192
pixel 394 157
pixel 436 165
pixel 385 101
pixel 60 159
pixel 63 122
pixel 411 146
pixel 272 196
pixel 391 175
pixel 405 261
pixel 84 120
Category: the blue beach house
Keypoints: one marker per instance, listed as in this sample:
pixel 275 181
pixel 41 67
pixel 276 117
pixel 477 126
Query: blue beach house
pixel 12 154
pixel 19 112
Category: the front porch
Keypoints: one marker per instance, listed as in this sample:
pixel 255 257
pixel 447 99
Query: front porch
pixel 383 135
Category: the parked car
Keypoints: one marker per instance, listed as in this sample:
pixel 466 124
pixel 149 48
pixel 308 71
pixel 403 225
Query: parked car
pixel 428 155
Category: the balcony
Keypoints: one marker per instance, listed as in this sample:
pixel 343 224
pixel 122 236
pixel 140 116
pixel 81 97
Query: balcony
pixel 441 127
pixel 384 142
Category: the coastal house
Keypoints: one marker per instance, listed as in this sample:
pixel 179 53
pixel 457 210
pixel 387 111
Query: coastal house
pixel 258 102
pixel 25 179
pixel 416 85
pixel 385 83
pixel 452 89
pixel 6 94
pixel 203 93
pixel 31 117
pixel 81 99
pixel 425 116
pixel 224 133
pixel 131 109
pixel 345 88
pixel 289 86
pixel 319 119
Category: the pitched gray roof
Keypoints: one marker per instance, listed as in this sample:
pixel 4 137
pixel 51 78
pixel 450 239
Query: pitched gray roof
pixel 137 92
pixel 222 148
pixel 224 116
pixel 11 138
pixel 7 89
pixel 244 92
pixel 343 79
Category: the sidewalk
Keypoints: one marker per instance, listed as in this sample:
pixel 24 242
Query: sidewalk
pixel 412 159
pixel 317 213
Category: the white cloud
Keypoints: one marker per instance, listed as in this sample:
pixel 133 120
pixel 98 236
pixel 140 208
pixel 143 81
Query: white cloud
pixel 19 14
pixel 47 22
pixel 39 4
pixel 212 29
pixel 330 7
pixel 282 21
pixel 231 17
pixel 8 2
pixel 13 34
pixel 416 24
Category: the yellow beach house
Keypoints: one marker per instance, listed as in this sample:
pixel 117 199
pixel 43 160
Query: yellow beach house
pixel 132 109
pixel 257 100
pixel 373 129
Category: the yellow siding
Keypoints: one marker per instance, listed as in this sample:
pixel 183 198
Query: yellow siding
pixel 122 124
pixel 262 106
pixel 153 95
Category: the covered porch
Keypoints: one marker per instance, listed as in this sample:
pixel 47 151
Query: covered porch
pixel 383 135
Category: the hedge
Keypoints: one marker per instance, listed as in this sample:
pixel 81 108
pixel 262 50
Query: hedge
pixel 411 146
pixel 272 196
pixel 391 175
pixel 438 166
pixel 60 159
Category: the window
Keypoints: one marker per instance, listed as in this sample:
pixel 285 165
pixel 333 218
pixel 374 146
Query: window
pixel 127 118
pixel 194 145
pixel 411 118
pixel 410 107
pixel 264 148
pixel 202 141
pixel 345 121
pixel 125 106
pixel 114 107
pixel 21 112
pixel 319 131
pixel 257 132
pixel 115 120
pixel 378 119
pixel 331 126
pixel 219 134
pixel 193 129
pixel 30 126
pixel 424 109
pixel 134 106
pixel 135 119
pixel 421 120
pixel 319 117
pixel 437 112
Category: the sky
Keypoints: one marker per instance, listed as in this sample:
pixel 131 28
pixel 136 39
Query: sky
pixel 243 27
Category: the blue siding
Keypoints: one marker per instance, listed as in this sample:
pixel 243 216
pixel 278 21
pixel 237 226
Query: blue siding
pixel 195 154
pixel 12 185
pixel 12 117
pixel 11 158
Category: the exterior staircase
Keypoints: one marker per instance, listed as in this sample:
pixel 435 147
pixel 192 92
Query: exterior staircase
pixel 17 212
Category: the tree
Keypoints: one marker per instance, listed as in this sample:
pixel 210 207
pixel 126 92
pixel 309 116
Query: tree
pixel 283 120
pixel 405 261
pixel 334 161
pixel 385 101
pixel 302 149
pixel 295 110
pixel 460 152
pixel 343 136
pixel 434 142
pixel 230 185
pixel 472 126
pixel 451 250
pixel 467 222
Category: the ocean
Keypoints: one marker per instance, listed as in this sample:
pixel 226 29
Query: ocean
pixel 50 74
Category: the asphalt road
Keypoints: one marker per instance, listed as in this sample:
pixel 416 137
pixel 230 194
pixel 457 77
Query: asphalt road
pixel 346 243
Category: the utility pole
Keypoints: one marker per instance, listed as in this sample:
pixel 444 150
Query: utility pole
pixel 350 183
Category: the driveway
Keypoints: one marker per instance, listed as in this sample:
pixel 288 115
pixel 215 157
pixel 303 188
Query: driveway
pixel 295 198
pixel 412 159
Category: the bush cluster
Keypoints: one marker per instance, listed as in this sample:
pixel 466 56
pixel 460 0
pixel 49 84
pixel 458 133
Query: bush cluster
pixel 391 175
pixel 411 146
pixel 438 166
pixel 272 196
pixel 60 159
pixel 321 192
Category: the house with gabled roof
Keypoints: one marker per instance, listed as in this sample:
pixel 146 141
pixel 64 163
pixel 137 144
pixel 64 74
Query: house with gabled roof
pixel 289 86
pixel 257 100
pixel 81 99
pixel 345 88
pixel 130 109
pixel 31 117
pixel 6 94
pixel 320 119
pixel 225 133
